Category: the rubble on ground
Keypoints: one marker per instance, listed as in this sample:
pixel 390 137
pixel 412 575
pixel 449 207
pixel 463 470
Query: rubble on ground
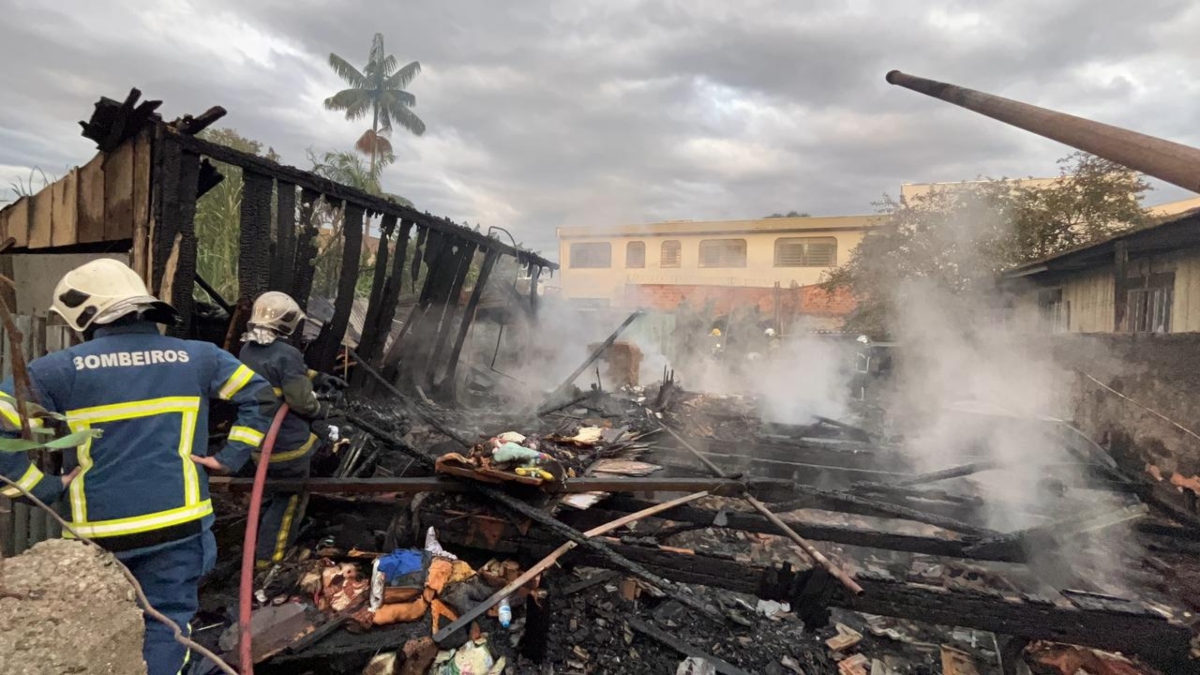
pixel 65 608
pixel 443 553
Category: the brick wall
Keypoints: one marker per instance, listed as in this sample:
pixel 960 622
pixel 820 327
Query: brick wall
pixel 794 302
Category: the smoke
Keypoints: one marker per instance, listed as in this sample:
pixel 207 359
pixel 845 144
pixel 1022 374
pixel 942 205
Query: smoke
pixel 969 388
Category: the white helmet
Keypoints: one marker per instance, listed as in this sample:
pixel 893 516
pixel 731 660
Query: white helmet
pixel 770 332
pixel 102 291
pixel 276 311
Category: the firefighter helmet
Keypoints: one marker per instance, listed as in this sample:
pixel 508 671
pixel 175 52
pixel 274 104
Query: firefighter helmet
pixel 102 291
pixel 277 311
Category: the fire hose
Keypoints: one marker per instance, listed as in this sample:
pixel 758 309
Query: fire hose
pixel 246 589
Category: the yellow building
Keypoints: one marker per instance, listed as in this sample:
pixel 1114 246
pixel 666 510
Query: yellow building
pixel 599 263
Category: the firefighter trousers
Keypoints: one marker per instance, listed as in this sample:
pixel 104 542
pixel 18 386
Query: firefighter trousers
pixel 169 575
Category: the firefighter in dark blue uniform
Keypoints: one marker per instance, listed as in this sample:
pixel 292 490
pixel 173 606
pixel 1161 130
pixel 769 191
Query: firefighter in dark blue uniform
pixel 266 351
pixel 136 489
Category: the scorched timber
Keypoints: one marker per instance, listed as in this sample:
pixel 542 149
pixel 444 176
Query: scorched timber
pixel 439 484
pixel 951 545
pixel 1136 630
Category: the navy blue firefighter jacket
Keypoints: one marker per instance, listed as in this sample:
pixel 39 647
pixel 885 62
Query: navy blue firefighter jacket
pixel 282 365
pixel 149 394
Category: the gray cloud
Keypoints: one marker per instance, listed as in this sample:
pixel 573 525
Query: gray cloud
pixel 592 112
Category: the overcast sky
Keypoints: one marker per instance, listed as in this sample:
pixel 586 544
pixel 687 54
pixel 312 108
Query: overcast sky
pixel 590 112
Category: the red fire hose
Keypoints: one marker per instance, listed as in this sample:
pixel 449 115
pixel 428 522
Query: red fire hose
pixel 246 594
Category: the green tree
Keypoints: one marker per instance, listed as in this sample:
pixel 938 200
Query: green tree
pixel 377 89
pixel 347 168
pixel 218 217
pixel 960 237
pixel 790 214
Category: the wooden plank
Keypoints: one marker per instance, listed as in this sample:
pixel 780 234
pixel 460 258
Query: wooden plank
pixel 66 207
pixel 90 201
pixel 41 219
pixel 118 193
pixel 143 160
pixel 16 224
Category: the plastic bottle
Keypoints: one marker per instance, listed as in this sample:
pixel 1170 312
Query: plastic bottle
pixel 505 613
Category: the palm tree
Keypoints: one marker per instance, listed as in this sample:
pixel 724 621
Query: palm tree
pixel 379 89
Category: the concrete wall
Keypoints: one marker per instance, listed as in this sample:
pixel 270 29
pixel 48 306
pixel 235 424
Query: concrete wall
pixel 1159 372
pixel 36 274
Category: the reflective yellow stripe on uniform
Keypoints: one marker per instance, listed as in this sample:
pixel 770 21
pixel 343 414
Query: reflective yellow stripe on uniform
pixel 8 409
pixel 246 435
pixel 188 408
pixel 29 479
pixel 285 527
pixel 146 523
pixel 236 381
pixel 290 454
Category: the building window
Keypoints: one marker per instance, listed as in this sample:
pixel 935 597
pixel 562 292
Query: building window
pixel 1054 314
pixel 1149 309
pixel 806 252
pixel 591 255
pixel 670 254
pixel 723 253
pixel 635 254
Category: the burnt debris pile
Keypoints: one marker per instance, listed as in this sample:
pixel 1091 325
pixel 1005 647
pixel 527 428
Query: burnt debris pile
pixel 559 542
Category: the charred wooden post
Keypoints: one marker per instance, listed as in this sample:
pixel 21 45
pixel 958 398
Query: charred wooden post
pixel 323 354
pixel 434 255
pixel 382 328
pixel 254 252
pixel 167 213
pixel 284 266
pixel 378 285
pixel 174 268
pixel 535 274
pixel 306 248
pixel 465 260
pixel 419 254
pixel 448 386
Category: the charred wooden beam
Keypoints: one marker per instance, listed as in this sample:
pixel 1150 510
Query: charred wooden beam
pixel 345 193
pixel 306 248
pixel 954 546
pixel 534 276
pixel 434 254
pixel 284 260
pixel 364 486
pixel 193 125
pixel 167 213
pixel 254 249
pixel 323 354
pixel 1135 631
pixel 175 233
pixel 465 259
pixel 113 122
pixel 379 280
pixel 447 386
pixel 391 292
